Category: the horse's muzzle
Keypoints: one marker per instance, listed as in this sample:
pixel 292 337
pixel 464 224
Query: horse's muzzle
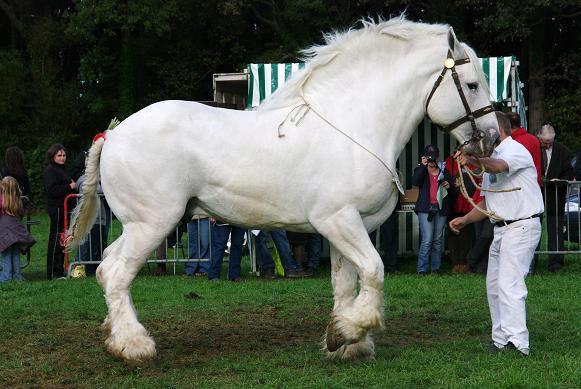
pixel 482 143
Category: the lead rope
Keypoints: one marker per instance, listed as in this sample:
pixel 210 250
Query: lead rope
pixel 461 185
pixel 300 111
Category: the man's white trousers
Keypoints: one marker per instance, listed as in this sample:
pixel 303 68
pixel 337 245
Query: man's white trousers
pixel 509 259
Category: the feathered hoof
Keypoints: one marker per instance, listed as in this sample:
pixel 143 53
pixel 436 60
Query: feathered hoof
pixel 361 351
pixel 137 349
pixel 106 327
pixel 334 339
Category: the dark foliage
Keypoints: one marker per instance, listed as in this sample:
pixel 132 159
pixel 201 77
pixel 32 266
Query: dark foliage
pixel 68 66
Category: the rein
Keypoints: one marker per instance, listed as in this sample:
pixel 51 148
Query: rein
pixel 462 187
pixel 300 111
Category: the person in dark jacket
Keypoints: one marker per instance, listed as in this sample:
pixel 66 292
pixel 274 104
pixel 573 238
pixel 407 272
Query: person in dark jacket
pixel 432 207
pixel 57 185
pixel 556 168
pixel 577 167
pixel 14 167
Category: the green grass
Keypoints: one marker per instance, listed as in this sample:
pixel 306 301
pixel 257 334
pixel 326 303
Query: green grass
pixel 267 334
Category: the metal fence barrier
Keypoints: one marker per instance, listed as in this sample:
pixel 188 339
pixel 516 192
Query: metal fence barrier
pixel 174 250
pixel 561 221
pixel 561 231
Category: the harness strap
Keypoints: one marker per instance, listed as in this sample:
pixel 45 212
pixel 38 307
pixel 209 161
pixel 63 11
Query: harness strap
pixel 450 64
pixel 474 115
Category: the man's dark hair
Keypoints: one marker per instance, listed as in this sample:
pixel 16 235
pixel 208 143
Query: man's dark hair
pixel 514 119
pixel 503 122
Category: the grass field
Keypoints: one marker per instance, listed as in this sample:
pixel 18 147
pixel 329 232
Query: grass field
pixel 266 334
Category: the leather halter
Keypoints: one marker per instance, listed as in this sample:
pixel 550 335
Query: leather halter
pixel 450 64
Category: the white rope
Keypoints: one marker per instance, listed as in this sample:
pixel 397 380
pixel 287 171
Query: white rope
pixel 300 111
pixel 461 185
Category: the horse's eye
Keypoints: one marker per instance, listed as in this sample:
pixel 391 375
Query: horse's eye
pixel 473 86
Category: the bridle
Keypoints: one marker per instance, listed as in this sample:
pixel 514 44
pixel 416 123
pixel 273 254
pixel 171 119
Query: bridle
pixel 450 64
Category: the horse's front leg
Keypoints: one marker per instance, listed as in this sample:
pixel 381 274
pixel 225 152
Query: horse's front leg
pixel 344 280
pixel 353 316
pixel 125 335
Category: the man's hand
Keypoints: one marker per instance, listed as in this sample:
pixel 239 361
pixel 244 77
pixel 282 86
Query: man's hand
pixel 465 159
pixel 457 224
pixel 446 184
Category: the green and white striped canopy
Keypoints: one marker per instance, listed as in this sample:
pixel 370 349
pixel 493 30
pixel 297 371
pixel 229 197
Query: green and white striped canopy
pixel 265 78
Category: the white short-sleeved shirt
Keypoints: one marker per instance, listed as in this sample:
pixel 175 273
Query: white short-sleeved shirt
pixel 520 204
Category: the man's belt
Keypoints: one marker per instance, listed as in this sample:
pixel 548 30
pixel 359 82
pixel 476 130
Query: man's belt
pixel 507 222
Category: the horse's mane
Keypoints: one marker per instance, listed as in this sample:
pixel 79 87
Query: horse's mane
pixel 336 43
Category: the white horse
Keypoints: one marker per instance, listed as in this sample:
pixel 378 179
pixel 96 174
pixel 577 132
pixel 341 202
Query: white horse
pixel 319 156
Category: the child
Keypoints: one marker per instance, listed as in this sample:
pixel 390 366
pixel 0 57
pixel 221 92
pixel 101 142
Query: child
pixel 13 235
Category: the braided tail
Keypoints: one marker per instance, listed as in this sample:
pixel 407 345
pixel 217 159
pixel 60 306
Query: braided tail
pixel 85 212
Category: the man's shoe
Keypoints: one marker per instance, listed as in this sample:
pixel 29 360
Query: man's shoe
pixel 511 347
pixel 493 349
pixel 268 274
pixel 299 273
pixel 237 279
pixel 314 271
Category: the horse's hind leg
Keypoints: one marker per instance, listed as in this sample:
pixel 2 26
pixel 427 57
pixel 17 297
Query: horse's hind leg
pixel 356 316
pixel 344 280
pixel 126 337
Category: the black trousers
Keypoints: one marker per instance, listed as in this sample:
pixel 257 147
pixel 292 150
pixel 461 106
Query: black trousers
pixel 555 224
pixel 55 256
pixel 459 245
pixel 390 235
pixel 477 257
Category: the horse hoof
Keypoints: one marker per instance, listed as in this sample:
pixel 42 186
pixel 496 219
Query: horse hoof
pixel 334 338
pixel 135 350
pixel 361 351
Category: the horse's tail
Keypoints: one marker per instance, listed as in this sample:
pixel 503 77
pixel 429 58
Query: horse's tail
pixel 85 212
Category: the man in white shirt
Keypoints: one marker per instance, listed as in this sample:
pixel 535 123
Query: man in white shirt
pixel 515 239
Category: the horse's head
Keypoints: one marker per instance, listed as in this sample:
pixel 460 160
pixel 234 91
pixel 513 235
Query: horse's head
pixel 459 100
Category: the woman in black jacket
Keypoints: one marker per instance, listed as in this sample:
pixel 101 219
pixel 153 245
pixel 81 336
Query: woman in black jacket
pixel 14 167
pixel 432 207
pixel 57 185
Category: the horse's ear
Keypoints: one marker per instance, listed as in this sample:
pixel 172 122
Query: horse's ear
pixel 455 46
pixel 451 39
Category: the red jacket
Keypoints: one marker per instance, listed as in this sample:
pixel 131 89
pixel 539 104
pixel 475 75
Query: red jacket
pixel 533 145
pixel 461 206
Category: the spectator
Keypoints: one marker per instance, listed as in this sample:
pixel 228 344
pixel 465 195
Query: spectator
pixel 459 245
pixel 199 231
pixel 313 249
pixel 220 234
pixel 432 207
pixel 577 167
pixel 14 166
pixel 291 268
pixel 529 141
pixel 477 257
pixel 391 235
pixel 14 237
pixel 57 185
pixel 556 166
pixel 298 242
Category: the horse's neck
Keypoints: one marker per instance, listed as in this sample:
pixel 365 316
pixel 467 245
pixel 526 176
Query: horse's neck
pixel 378 102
